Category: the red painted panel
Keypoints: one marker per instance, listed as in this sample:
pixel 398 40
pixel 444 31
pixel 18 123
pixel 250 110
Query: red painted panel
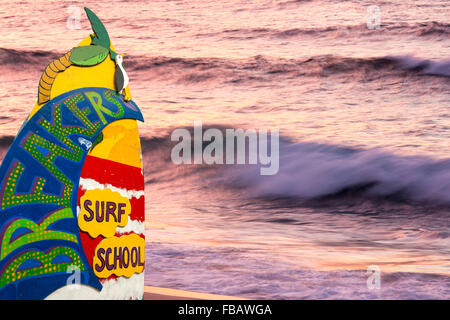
pixel 110 172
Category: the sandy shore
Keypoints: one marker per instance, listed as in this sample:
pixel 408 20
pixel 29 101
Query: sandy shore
pixel 157 293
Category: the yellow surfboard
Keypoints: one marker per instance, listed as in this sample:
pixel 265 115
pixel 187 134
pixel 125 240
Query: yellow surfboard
pixel 112 176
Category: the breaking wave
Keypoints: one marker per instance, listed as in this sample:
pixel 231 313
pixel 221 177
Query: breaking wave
pixel 424 29
pixel 257 68
pixel 311 171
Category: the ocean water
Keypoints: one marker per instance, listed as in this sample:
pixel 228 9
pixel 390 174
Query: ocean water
pixel 364 120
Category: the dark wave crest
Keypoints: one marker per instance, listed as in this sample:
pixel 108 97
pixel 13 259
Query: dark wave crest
pixel 257 68
pixel 423 29
pixel 261 68
pixel 19 58
pixel 313 171
pixel 6 141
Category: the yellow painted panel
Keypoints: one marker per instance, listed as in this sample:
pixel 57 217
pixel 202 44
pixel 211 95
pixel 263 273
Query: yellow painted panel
pixel 122 256
pixel 120 143
pixel 74 77
pixel 102 211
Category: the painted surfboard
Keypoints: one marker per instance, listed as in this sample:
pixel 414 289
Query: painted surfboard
pixel 72 185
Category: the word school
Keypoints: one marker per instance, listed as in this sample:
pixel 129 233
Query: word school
pixel 258 148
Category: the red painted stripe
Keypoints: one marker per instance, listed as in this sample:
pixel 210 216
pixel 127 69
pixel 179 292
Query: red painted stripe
pixel 89 245
pixel 110 172
pixel 128 233
pixel 120 176
pixel 81 193
pixel 137 209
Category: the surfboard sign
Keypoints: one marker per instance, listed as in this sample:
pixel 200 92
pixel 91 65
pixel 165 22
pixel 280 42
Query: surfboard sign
pixel 72 207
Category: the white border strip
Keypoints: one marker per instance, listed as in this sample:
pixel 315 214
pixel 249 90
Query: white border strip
pixel 90 184
pixel 132 226
pixel 121 288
